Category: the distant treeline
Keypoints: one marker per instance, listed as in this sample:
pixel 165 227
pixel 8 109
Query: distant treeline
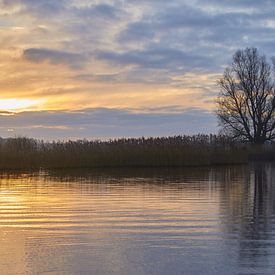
pixel 177 151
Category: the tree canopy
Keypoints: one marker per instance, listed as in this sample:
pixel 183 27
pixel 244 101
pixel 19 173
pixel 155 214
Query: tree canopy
pixel 246 103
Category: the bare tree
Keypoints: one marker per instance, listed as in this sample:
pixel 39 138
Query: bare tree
pixel 246 103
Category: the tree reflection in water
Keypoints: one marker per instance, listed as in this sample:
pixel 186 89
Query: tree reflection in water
pixel 247 207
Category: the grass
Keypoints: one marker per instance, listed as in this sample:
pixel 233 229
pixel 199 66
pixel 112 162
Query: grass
pixel 177 151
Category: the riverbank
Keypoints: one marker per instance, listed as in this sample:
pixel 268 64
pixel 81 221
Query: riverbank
pixel 177 151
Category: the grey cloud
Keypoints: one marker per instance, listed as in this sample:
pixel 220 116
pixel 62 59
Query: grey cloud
pixel 104 11
pixel 157 56
pixel 147 75
pixel 38 7
pixel 137 31
pixel 237 3
pixel 183 16
pixel 102 123
pixel 39 55
pixel 195 35
pixel 208 31
pixel 49 6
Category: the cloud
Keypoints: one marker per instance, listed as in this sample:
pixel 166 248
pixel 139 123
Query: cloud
pixel 158 57
pixel 37 7
pixel 211 29
pixel 100 11
pixel 39 55
pixel 98 77
pixel 137 31
pixel 236 4
pixel 103 123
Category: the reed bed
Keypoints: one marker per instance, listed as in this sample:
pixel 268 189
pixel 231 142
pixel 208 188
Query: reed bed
pixel 177 151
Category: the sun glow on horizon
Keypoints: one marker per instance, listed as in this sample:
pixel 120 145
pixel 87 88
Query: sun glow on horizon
pixel 16 105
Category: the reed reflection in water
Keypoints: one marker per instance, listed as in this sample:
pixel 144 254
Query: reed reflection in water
pixel 140 221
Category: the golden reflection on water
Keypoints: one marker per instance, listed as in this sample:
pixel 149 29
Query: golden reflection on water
pixel 127 223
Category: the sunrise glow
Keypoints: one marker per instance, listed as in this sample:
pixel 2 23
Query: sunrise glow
pixel 17 105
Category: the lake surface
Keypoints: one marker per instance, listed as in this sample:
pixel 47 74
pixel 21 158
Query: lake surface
pixel 140 221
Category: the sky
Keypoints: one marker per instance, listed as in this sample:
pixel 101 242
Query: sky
pixel 90 69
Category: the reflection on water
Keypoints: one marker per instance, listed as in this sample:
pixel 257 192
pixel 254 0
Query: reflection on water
pixel 177 221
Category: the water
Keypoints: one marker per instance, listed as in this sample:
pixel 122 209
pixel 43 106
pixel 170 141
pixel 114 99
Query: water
pixel 139 221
